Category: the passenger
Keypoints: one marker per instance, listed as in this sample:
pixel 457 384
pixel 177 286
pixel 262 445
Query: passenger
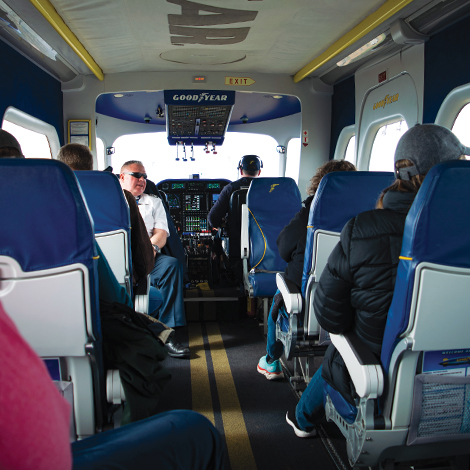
pixel 250 168
pixel 291 246
pixel 356 287
pixel 167 274
pixel 34 431
pixel 9 146
pixel 78 157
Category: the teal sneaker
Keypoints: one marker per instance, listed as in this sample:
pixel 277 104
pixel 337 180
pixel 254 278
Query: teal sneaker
pixel 270 371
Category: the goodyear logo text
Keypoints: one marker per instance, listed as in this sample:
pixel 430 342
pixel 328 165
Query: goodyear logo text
pixel 389 99
pixel 200 97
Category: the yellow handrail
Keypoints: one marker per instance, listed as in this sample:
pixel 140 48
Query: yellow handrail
pixel 387 10
pixel 47 10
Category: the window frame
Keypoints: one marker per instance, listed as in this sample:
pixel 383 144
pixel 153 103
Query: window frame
pixel 342 143
pixel 34 124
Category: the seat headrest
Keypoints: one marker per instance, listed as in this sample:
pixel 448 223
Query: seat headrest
pixel 342 195
pixel 105 200
pixel 438 224
pixel 282 193
pixel 45 219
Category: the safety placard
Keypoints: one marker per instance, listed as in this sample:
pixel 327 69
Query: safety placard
pixel 305 138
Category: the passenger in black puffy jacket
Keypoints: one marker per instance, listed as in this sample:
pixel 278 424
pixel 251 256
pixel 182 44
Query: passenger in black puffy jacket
pixel 356 287
pixel 291 246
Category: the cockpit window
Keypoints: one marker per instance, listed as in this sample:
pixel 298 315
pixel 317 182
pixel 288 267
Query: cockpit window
pixel 100 153
pixel 293 159
pixel 163 161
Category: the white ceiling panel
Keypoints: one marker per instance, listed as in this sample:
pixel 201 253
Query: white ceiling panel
pixel 283 36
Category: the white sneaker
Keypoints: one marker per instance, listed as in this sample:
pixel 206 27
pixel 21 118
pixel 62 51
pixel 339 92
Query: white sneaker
pixel 292 421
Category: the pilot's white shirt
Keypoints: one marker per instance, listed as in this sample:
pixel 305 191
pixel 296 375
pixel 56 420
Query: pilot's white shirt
pixel 152 211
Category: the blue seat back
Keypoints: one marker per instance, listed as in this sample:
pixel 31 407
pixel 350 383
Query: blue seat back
pixel 341 196
pixel 49 258
pixel 110 212
pixel 436 231
pixel 46 220
pixel 272 203
pixel 105 200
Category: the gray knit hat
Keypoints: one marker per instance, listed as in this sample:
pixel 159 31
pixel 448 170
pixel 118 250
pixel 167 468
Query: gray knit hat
pixel 426 145
pixel 7 140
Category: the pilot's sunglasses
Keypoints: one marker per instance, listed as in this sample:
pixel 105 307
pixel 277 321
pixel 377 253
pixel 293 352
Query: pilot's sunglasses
pixel 136 174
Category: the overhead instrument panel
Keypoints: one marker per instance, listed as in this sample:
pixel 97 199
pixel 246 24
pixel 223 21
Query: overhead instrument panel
pixel 197 117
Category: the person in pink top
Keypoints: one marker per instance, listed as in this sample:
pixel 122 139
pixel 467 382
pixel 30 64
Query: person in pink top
pixel 34 417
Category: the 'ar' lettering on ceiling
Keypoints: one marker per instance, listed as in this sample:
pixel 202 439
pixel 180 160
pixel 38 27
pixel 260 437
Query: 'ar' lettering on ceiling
pixel 188 28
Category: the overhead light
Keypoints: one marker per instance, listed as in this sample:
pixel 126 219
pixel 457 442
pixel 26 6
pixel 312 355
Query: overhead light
pixel 362 51
pixel 15 25
pixel 277 97
pixel 118 95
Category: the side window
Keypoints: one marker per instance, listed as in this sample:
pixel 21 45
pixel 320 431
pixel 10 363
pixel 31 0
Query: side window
pixel 385 143
pixel 461 125
pixel 33 144
pixel 37 138
pixel 349 154
pixel 293 159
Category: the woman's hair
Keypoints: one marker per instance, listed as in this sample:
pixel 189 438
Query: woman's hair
pixel 328 167
pixel 406 186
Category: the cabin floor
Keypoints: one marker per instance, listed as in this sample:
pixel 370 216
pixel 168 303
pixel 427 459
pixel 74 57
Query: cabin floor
pixel 221 382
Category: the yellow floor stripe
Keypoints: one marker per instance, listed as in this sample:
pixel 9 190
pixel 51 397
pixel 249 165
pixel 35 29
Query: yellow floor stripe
pixel 236 436
pixel 200 387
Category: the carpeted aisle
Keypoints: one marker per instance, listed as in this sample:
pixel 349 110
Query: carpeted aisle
pixel 221 382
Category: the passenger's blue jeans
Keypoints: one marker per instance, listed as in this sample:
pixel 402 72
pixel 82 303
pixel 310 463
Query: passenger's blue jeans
pixel 177 439
pixel 310 408
pixel 273 348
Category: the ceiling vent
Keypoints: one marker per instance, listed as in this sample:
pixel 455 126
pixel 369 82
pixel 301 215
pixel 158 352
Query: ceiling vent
pixel 403 33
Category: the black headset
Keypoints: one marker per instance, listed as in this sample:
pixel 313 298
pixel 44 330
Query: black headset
pixel 240 163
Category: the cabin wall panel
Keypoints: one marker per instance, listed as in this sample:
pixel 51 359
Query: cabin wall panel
pixel 343 109
pixel 28 88
pixel 447 66
pixel 401 95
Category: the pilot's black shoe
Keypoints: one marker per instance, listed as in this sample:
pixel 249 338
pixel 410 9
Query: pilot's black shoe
pixel 176 349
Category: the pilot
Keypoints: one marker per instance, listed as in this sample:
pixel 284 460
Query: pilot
pixel 78 157
pixel 167 274
pixel 250 167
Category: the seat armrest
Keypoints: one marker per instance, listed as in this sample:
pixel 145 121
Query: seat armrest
pixel 142 297
pixel 244 239
pixel 290 294
pixel 363 367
